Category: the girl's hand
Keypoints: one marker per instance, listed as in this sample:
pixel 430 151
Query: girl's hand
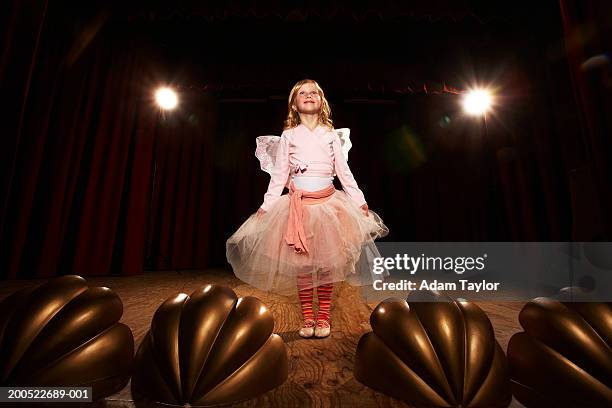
pixel 260 212
pixel 365 209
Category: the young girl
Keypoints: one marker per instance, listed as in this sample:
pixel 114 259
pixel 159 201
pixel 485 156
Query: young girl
pixel 315 235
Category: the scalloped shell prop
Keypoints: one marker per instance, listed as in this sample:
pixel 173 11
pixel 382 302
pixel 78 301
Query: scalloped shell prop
pixel 564 356
pixel 63 333
pixel 210 348
pixel 435 353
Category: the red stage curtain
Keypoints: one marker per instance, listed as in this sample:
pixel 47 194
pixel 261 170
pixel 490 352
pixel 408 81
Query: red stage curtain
pixel 79 154
pixel 178 230
pixel 588 43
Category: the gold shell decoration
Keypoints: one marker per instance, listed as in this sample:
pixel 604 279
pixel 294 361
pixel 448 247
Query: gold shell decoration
pixel 435 353
pixel 63 333
pixel 564 356
pixel 209 348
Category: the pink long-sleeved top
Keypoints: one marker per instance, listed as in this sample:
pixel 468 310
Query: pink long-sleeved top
pixel 306 152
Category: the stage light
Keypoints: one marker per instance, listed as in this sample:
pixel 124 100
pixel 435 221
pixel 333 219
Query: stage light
pixel 166 98
pixel 477 102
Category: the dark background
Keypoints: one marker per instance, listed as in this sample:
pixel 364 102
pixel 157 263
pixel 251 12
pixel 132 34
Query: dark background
pixel 96 181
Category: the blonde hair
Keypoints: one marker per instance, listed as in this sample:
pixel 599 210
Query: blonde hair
pixel 293 118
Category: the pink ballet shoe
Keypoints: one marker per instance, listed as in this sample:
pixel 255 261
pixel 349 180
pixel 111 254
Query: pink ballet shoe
pixel 322 329
pixel 308 328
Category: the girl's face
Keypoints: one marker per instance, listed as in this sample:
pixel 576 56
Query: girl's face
pixel 307 99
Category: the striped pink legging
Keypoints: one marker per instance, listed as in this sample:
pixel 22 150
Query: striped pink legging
pixel 324 294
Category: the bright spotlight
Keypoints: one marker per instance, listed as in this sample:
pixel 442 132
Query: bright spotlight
pixel 166 98
pixel 477 102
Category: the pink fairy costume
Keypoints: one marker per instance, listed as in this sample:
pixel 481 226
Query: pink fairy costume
pixel 315 229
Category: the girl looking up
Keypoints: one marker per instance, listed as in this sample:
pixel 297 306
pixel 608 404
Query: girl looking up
pixel 314 236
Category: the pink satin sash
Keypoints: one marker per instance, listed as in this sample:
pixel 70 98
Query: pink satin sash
pixel 295 235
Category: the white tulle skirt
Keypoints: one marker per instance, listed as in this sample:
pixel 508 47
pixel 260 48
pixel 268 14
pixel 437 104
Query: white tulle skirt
pixel 340 241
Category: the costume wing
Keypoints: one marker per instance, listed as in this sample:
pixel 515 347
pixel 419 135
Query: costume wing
pixel 266 149
pixel 345 140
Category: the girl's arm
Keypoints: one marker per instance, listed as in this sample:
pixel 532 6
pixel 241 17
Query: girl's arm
pixel 279 174
pixel 343 172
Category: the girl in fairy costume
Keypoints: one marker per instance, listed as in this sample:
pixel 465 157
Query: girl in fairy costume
pixel 314 236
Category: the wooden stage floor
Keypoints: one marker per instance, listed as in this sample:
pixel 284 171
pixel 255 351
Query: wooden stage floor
pixel 320 370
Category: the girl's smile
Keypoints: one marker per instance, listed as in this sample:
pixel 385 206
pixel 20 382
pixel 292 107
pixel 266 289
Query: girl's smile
pixel 308 99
